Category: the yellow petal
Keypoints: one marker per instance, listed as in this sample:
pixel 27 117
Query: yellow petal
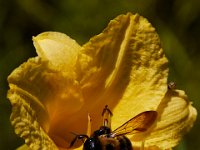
pixel 24 119
pixel 52 95
pixel 58 48
pixel 23 147
pixel 21 86
pixel 123 67
pixel 79 148
pixel 148 74
pixel 48 82
pixel 176 117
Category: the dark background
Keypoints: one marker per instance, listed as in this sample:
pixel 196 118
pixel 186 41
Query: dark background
pixel 176 21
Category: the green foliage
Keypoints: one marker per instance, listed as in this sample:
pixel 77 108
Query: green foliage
pixel 177 22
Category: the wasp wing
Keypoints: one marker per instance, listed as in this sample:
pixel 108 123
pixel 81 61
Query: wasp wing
pixel 139 123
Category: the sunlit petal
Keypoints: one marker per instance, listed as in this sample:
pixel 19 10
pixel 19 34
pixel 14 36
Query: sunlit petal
pixel 24 119
pixel 176 117
pixel 148 73
pixel 23 147
pixel 123 67
pixel 51 93
pixel 58 48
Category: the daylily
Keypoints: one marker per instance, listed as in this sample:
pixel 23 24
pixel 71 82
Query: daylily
pixel 124 67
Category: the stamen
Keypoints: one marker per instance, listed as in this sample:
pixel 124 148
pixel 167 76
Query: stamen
pixel 106 114
pixel 142 145
pixel 89 127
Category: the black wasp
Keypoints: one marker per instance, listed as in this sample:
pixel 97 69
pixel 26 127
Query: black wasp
pixel 105 139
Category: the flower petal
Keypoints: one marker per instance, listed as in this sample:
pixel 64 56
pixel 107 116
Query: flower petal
pixel 58 48
pixel 23 147
pixel 176 117
pixel 50 94
pixel 49 81
pixel 24 119
pixel 123 67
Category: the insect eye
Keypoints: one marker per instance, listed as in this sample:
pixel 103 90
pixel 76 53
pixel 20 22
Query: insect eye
pixel 92 144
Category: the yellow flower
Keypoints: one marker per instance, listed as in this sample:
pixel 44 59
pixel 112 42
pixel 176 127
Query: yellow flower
pixel 123 67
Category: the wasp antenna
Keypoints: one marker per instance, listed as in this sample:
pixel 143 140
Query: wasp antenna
pixel 73 133
pixel 81 137
pixel 74 140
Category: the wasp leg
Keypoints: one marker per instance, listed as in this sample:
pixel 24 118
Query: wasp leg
pixel 89 128
pixel 106 115
pixel 78 137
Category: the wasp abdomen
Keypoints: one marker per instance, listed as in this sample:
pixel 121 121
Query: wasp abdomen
pixel 115 143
